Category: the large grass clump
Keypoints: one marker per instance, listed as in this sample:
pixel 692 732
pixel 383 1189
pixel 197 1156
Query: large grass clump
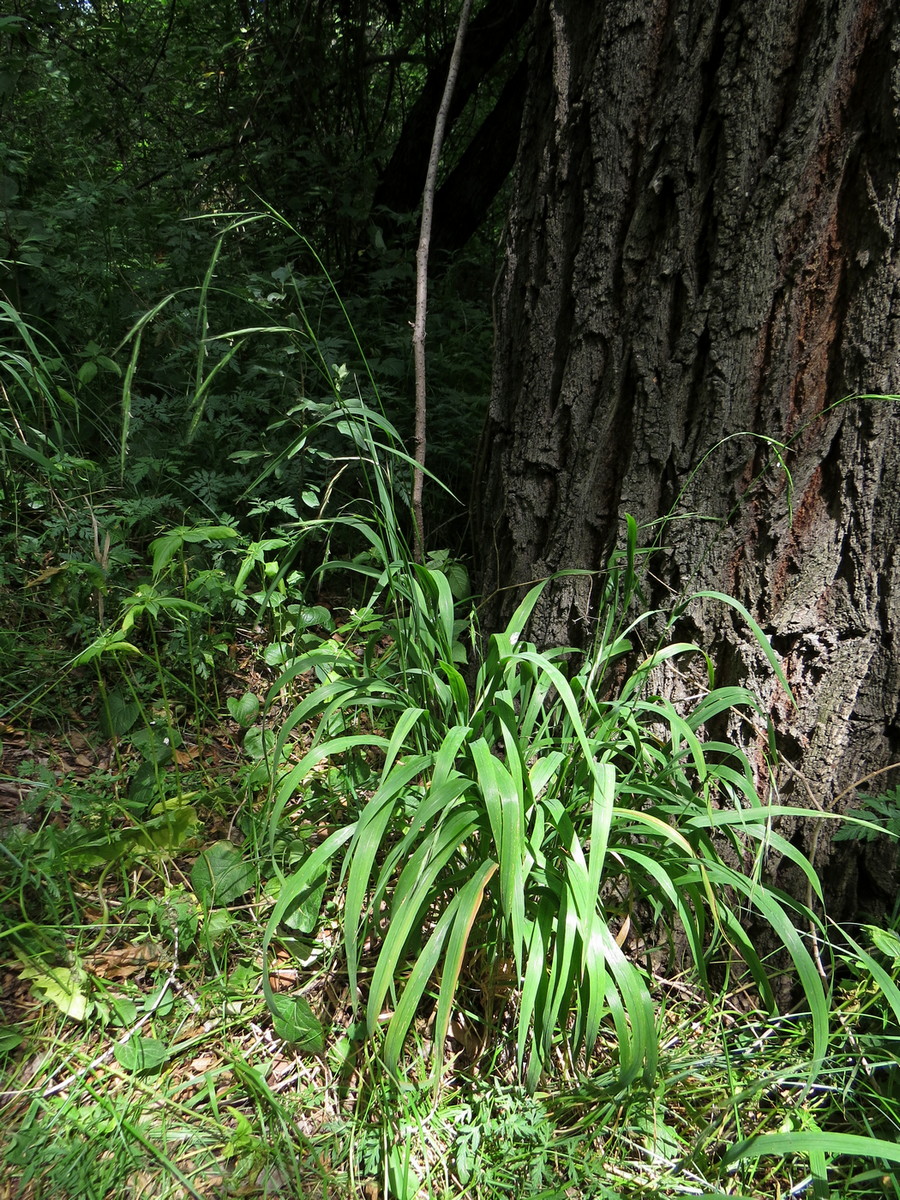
pixel 507 821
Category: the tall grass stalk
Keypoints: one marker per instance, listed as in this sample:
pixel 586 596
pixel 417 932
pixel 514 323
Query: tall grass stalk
pixel 37 408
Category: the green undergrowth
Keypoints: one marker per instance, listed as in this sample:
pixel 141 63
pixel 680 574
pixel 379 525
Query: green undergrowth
pixel 204 1100
pixel 265 968
pixel 323 890
pixel 232 414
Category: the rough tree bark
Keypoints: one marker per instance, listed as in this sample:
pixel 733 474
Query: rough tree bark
pixel 705 240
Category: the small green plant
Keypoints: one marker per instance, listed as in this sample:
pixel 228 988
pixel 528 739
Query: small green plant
pixel 882 812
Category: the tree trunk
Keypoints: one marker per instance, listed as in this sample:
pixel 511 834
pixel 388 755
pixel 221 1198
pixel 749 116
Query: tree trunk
pixel 705 246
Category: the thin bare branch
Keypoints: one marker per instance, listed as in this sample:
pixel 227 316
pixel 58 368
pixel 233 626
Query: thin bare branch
pixel 422 277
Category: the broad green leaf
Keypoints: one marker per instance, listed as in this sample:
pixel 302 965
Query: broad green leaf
pixel 61 986
pixel 124 1011
pixel 216 925
pixel 164 548
pixel 258 743
pixel 10 1039
pixel 142 1056
pixel 147 785
pixel 637 1053
pixel 112 642
pixel 307 617
pixel 244 709
pixel 156 743
pixel 445 610
pixel 886 941
pixel 303 916
pixel 295 1022
pixel 119 713
pixel 221 874
pixel 163 833
pixel 167 830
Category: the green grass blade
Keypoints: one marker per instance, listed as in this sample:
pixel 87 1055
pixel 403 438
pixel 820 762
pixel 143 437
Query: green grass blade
pixel 458 690
pixel 289 784
pixel 771 909
pixel 561 954
pixel 802 1142
pixel 423 970
pixel 719 701
pixel 602 804
pixel 369 836
pixel 761 638
pixel 408 720
pixel 676 893
pixel 485 772
pixel 534 983
pixel 446 756
pixel 469 901
pixel 878 973
pixel 303 880
pixel 412 895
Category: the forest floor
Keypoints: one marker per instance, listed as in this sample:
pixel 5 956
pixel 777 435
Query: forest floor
pixel 138 1055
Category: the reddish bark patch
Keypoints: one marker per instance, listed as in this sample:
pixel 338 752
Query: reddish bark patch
pixel 806 515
